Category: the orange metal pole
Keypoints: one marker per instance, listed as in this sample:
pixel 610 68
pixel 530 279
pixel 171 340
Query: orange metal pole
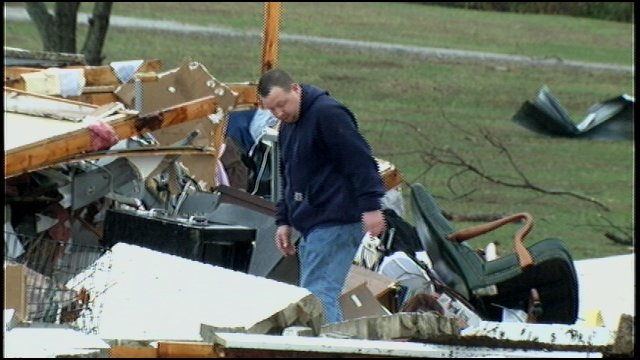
pixel 272 12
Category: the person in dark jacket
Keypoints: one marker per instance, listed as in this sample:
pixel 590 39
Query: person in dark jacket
pixel 331 189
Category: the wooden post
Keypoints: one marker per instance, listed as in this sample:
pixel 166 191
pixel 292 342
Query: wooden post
pixel 270 37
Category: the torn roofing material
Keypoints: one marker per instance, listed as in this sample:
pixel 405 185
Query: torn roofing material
pixel 611 119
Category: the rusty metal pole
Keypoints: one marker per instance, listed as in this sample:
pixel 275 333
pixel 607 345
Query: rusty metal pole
pixel 270 37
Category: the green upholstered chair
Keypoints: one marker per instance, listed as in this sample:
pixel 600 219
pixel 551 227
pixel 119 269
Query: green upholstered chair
pixel 505 282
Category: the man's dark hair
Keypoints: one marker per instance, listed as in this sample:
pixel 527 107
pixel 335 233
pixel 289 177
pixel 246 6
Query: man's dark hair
pixel 273 78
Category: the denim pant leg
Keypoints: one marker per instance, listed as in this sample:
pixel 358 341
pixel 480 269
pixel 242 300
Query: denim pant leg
pixel 326 255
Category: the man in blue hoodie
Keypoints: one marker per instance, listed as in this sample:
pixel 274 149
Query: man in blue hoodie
pixel 331 188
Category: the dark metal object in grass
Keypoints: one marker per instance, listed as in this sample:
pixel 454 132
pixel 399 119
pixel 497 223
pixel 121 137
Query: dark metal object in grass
pixel 611 119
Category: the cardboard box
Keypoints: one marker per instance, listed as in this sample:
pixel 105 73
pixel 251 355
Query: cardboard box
pixel 384 288
pixel 15 289
pixel 359 302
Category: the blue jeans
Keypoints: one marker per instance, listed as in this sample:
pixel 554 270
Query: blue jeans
pixel 326 255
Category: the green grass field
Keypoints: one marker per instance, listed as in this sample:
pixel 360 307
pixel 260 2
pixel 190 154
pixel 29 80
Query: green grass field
pixel 451 102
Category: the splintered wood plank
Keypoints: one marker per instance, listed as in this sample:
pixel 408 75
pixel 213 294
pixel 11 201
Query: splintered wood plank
pixel 8 89
pixel 247 95
pixel 146 152
pixel 94 75
pixel 103 94
pixel 57 149
pixel 103 75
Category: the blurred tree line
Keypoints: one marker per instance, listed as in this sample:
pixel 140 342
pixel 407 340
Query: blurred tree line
pixel 613 11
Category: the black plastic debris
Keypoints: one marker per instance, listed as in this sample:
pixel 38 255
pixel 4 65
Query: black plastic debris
pixel 611 119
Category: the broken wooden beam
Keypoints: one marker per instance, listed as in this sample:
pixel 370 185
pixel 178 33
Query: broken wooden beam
pixel 53 150
pixel 94 75
pixel 103 75
pixel 145 151
pixel 247 95
pixel 101 82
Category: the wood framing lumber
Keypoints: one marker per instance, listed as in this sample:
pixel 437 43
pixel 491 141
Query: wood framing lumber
pixel 48 97
pixel 53 150
pixel 103 75
pixel 247 95
pixel 99 89
pixel 145 151
pixel 104 94
pixel 94 75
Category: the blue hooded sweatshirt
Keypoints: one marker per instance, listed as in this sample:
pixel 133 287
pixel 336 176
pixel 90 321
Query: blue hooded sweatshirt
pixel 328 174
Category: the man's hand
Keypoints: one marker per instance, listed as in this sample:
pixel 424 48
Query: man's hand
pixel 283 240
pixel 373 222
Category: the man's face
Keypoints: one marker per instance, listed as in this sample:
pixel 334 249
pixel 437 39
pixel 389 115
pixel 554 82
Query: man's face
pixel 284 104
